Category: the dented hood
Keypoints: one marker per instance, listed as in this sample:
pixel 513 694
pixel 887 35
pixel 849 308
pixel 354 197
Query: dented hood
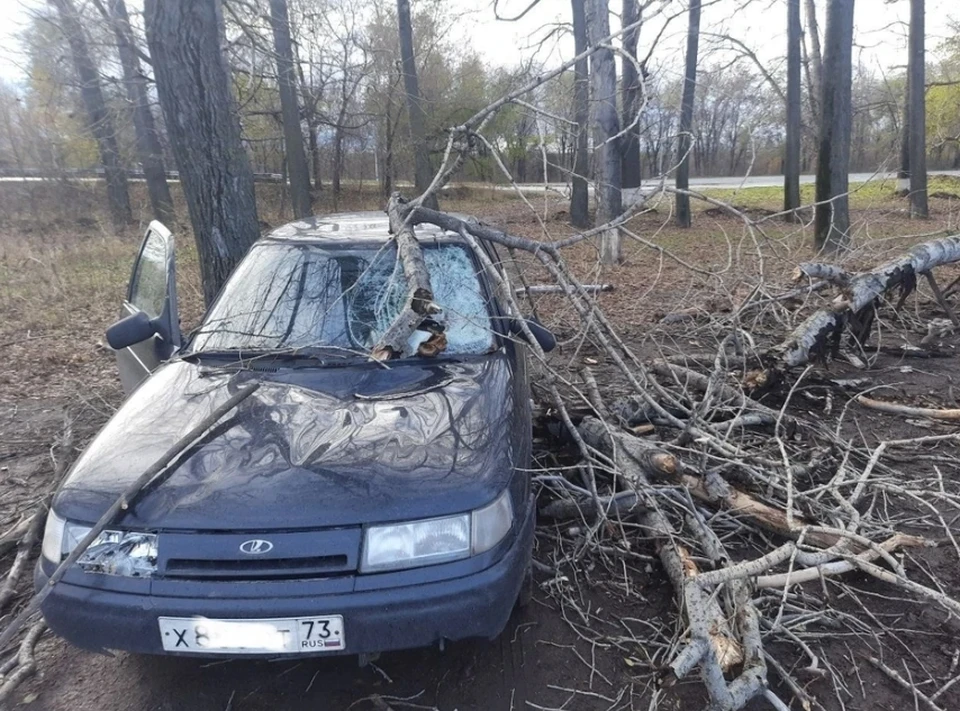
pixel 311 447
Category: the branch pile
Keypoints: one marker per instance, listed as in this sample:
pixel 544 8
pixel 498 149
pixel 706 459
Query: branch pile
pixel 740 501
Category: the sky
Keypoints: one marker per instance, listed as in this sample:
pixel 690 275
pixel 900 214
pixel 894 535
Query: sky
pixel 880 30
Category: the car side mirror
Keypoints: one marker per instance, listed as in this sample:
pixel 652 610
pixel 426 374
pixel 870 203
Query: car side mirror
pixel 545 339
pixel 132 329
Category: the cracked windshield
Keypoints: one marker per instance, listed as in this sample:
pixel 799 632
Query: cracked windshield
pixel 290 297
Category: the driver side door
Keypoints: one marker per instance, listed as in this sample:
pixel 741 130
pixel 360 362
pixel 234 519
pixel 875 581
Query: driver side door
pixel 152 303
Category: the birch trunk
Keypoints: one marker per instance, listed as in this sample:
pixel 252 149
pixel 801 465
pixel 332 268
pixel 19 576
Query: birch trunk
pixel 419 301
pixel 813 336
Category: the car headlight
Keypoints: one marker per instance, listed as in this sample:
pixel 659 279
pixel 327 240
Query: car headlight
pixel 439 540
pixel 127 553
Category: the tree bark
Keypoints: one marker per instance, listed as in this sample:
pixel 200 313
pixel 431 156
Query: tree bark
pixel 918 113
pixel 686 116
pixel 630 92
pixel 816 56
pixel 603 73
pixel 579 196
pixel 813 336
pixel 903 174
pixel 99 121
pixel 296 160
pixel 832 221
pixel 419 302
pixel 193 84
pixel 149 150
pixel 791 161
pixel 423 173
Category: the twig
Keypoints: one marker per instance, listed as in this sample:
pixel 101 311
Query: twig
pixel 904 684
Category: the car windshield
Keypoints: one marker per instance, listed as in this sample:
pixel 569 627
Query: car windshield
pixel 289 297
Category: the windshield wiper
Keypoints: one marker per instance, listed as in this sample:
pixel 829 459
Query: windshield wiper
pixel 312 354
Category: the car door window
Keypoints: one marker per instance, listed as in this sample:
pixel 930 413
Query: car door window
pixel 148 289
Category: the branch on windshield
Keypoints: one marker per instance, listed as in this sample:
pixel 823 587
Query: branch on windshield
pixel 419 305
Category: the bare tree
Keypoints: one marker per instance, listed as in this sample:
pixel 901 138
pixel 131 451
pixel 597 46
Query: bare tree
pixel 99 120
pixel 832 222
pixel 193 84
pixel 686 117
pixel 603 80
pixel 423 173
pixel 579 196
pixel 791 163
pixel 149 150
pixel 903 172
pixel 297 172
pixel 916 99
pixel 630 88
pixel 816 55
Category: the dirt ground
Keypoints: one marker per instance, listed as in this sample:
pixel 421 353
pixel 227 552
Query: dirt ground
pixel 596 634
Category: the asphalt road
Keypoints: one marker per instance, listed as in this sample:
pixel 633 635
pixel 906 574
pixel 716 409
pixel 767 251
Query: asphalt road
pixel 729 183
pixel 750 181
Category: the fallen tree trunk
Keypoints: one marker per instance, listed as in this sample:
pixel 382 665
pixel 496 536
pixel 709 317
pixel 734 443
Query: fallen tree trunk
pixel 714 644
pixel 650 460
pixel 419 302
pixel 816 270
pixel 557 289
pixel 812 337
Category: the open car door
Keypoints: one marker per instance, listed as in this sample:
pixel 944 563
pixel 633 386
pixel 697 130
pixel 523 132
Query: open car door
pixel 148 331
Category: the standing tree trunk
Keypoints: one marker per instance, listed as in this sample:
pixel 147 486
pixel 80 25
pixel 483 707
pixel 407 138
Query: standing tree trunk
pixel 791 161
pixel 832 222
pixel 149 150
pixel 314 148
pixel 918 114
pixel 630 89
pixel 579 197
pixel 686 116
pixel 99 120
pixel 903 174
pixel 423 174
pixel 296 160
pixel 193 84
pixel 603 72
pixel 816 56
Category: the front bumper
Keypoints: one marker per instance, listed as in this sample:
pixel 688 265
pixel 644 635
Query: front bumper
pixel 472 606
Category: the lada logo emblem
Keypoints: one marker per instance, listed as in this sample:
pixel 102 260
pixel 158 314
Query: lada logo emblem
pixel 256 546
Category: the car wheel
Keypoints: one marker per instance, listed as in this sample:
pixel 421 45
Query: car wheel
pixel 526 588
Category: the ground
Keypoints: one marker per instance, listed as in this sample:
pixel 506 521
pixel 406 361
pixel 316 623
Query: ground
pixel 594 637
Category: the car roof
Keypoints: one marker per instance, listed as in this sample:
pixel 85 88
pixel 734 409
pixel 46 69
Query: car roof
pixel 349 228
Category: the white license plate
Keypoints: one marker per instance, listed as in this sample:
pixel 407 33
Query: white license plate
pixel 275 636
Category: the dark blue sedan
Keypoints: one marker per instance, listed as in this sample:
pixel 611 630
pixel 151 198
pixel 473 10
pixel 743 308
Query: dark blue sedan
pixel 348 506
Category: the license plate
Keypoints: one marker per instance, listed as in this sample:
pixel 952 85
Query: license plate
pixel 274 636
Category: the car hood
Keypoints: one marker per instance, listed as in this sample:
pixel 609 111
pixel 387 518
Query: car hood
pixel 312 447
